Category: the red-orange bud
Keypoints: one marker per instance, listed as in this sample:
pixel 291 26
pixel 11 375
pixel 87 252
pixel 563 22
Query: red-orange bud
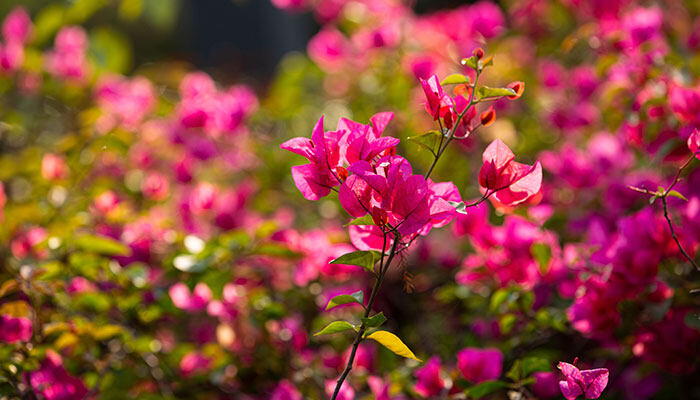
pixel 479 53
pixel 488 117
pixel 518 87
pixel 342 173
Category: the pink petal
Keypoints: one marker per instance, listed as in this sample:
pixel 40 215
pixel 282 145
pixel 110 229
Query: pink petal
pixel 595 381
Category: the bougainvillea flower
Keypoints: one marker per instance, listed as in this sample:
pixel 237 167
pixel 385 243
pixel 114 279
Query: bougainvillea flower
pixel 438 103
pixel 195 301
pixel 685 102
pixel 392 187
pixel 328 152
pixel 694 143
pixel 428 381
pixel 14 329
pixel 68 59
pixel 194 363
pixel 379 387
pixel 53 382
pixel 346 391
pixel 285 391
pixel 546 385
pixel 479 365
pixel 330 49
pixel 589 382
pixel 17 26
pixel 510 182
pixel 53 167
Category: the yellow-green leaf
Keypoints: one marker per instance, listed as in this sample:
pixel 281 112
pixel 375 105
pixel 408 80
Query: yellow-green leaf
pixel 335 327
pixel 393 343
pixel 455 79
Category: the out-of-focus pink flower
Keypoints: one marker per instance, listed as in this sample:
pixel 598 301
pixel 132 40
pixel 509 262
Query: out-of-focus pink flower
pixel 203 198
pixel 589 382
pixel 17 26
pixel 546 385
pixel 124 102
pixel 428 381
pixel 330 49
pixel 643 24
pixel 379 387
pixel 68 59
pixel 668 342
pixel 479 365
pixel 226 309
pixel 106 202
pixel 194 363
pixel 3 201
pixel 511 182
pixel 53 382
pixel 694 143
pixel 15 329
pixel 190 301
pixel 53 167
pixel 346 391
pixel 290 5
pixel 23 245
pixel 685 103
pixel 285 390
pixel 155 186
pixel 11 56
pixel 79 285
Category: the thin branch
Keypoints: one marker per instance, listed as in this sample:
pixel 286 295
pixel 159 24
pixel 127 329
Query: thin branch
pixel 361 331
pixel 673 233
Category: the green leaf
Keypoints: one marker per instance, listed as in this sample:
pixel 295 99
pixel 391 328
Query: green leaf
pixel 335 327
pixel 487 92
pixel 515 372
pixel 692 319
pixel 674 193
pixel 507 322
pixel 362 258
pixel 277 250
pixel 393 343
pixel 455 79
pixel 543 254
pixel 375 320
pixel 534 364
pixel 498 298
pixel 363 220
pixel 428 140
pixel 356 297
pixel 471 62
pixel 110 50
pixel 485 388
pixel 102 245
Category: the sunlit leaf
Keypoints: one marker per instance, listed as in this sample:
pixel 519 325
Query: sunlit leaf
pixel 361 258
pixel 335 327
pixel 485 92
pixel 676 194
pixel 356 298
pixel 428 140
pixel 375 320
pixel 363 220
pixel 102 245
pixel 393 343
pixel 455 79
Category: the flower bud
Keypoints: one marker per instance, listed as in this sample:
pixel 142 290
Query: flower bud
pixel 488 117
pixel 479 53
